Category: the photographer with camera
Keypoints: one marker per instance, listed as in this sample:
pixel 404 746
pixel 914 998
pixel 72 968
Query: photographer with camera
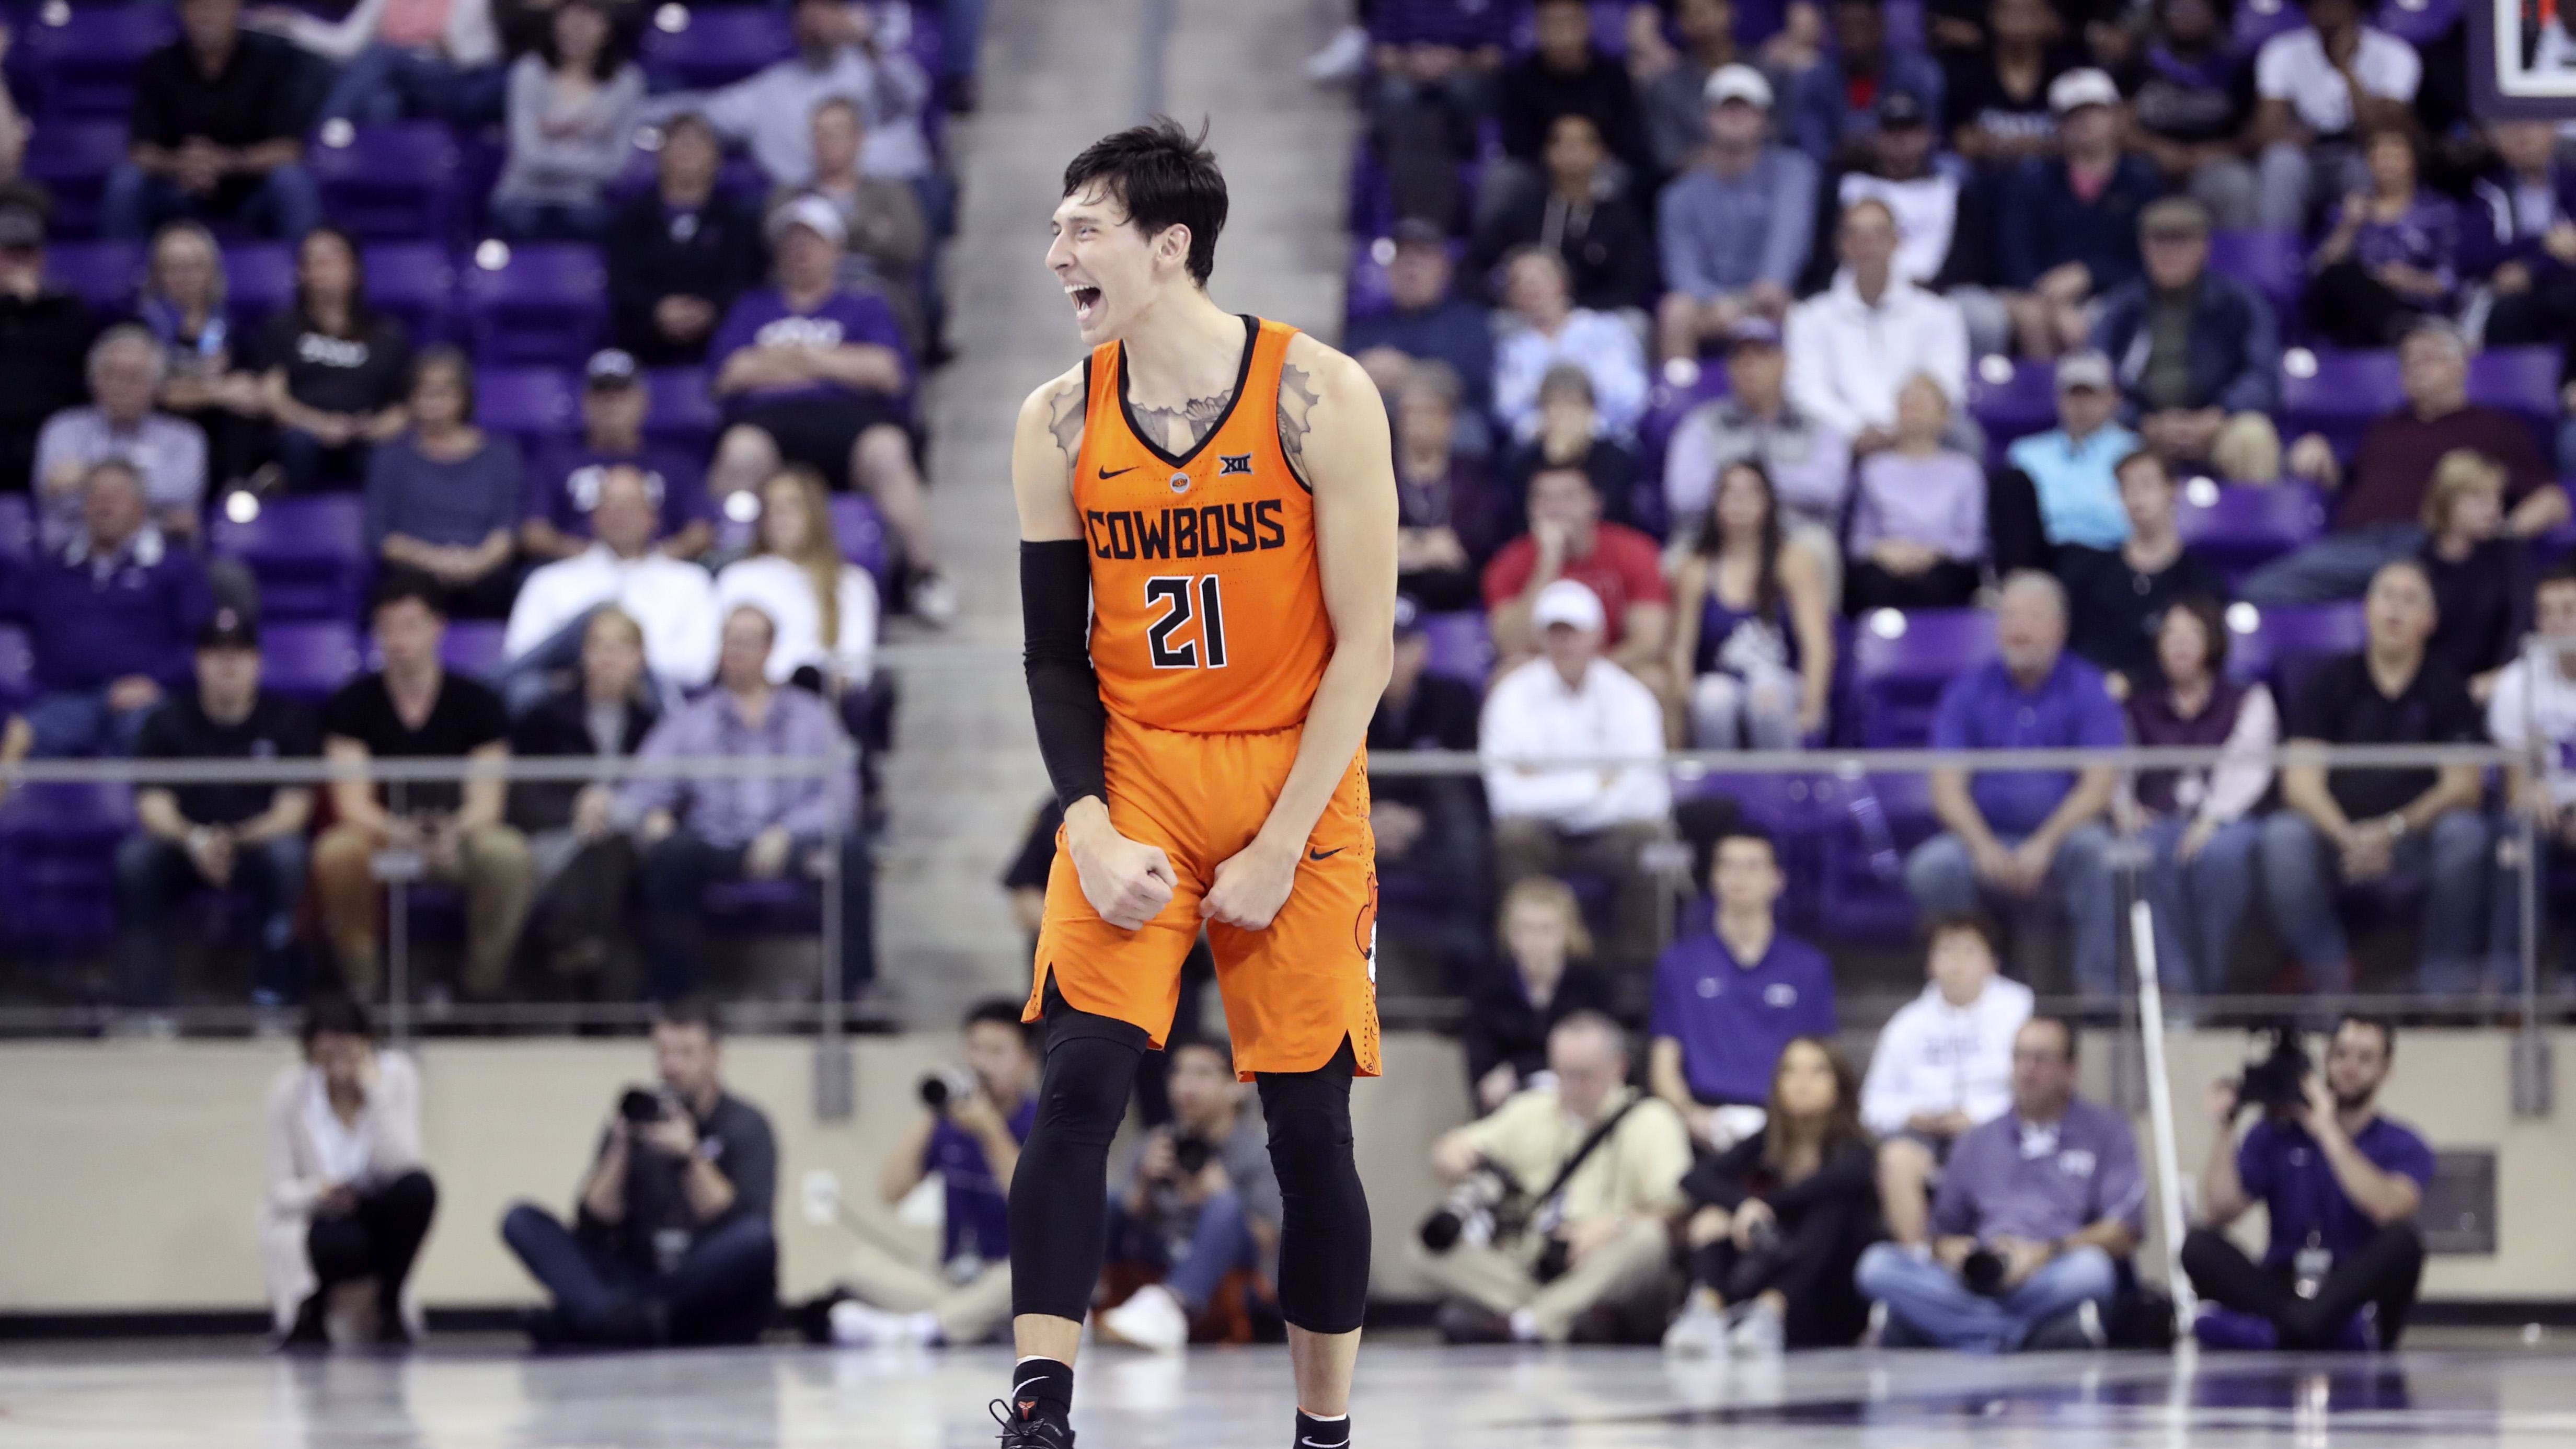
pixel 1194 1215
pixel 673 1242
pixel 2037 1209
pixel 2339 1182
pixel 973 1120
pixel 1559 1201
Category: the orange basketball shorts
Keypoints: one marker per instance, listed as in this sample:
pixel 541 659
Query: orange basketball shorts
pixel 1292 990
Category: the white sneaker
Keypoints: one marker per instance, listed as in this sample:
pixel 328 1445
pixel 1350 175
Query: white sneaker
pixel 933 600
pixel 1758 1332
pixel 1152 1319
pixel 1341 57
pixel 856 1325
pixel 1700 1330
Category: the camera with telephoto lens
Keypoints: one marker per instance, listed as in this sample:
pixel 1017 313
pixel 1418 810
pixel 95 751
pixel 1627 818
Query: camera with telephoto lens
pixel 2278 1082
pixel 1191 1155
pixel 1983 1271
pixel 946 1085
pixel 1483 1207
pixel 640 1107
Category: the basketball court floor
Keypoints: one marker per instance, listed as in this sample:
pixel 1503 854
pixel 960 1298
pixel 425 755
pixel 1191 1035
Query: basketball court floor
pixel 1411 1396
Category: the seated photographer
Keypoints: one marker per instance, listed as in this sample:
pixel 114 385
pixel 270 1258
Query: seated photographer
pixel 2037 1209
pixel 348 1199
pixel 1776 1223
pixel 969 1134
pixel 1194 1216
pixel 1943 1064
pixel 2340 1184
pixel 1555 1217
pixel 1729 998
pixel 672 1244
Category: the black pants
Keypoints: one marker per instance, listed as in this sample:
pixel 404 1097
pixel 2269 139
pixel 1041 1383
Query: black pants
pixel 580 910
pixel 2546 314
pixel 674 877
pixel 2385 1271
pixel 2016 535
pixel 1948 584
pixel 1811 1265
pixel 2352 308
pixel 377 1239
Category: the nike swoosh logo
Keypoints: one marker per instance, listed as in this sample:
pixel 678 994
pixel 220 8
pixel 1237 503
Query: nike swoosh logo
pixel 1326 854
pixel 1130 468
pixel 1317 1444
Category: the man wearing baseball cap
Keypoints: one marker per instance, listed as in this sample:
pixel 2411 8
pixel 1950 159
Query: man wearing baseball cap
pixel 563 480
pixel 247 836
pixel 811 373
pixel 1839 99
pixel 1809 463
pixel 1735 227
pixel 1571 704
pixel 2068 227
pixel 2070 466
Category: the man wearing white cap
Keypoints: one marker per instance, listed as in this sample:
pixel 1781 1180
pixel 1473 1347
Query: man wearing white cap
pixel 2067 230
pixel 810 373
pixel 1736 227
pixel 1571 704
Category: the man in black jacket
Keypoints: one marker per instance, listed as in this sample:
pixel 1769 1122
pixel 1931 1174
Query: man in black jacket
pixel 1430 826
pixel 679 254
pixel 1566 74
pixel 44 337
pixel 583 863
pixel 1585 210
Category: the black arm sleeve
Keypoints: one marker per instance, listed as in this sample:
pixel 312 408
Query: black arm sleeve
pixel 1064 693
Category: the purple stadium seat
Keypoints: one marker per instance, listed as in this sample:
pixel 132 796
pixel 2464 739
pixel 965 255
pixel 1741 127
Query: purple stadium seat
pixel 544 304
pixel 17 667
pixel 104 274
pixel 396 181
pixel 764 907
pixel 862 537
pixel 682 414
pixel 472 646
pixel 1667 403
pixel 259 279
pixel 714 44
pixel 2273 263
pixel 72 160
pixel 57 863
pixel 1367 294
pixel 2518 379
pixel 17 528
pixel 2283 646
pixel 308 554
pixel 1460 647
pixel 2014 404
pixel 2259 20
pixel 416 282
pixel 2336 393
pixel 2237 529
pixel 1876 820
pixel 532 404
pixel 307 659
pixel 1900 663
pixel 1372 200
pixel 83 58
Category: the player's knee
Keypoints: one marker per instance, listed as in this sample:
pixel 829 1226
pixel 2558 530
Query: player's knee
pixel 1083 1094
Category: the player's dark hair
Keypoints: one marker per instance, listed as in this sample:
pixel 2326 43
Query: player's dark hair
pixel 1000 1011
pixel 1165 177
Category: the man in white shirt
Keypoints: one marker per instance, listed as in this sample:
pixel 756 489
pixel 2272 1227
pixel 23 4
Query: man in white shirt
pixel 1550 329
pixel 2533 710
pixel 1572 704
pixel 673 600
pixel 1943 1065
pixel 1854 345
pixel 838 54
pixel 2321 87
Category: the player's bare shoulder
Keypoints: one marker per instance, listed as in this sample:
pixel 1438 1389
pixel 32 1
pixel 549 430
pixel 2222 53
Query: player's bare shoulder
pixel 1051 418
pixel 1330 415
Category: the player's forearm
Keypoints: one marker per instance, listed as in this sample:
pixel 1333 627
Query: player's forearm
pixel 1336 726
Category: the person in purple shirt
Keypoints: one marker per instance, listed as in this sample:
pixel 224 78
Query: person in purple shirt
pixel 563 480
pixel 695 832
pixel 2014 833
pixel 2037 1210
pixel 970 1139
pixel 2341 1185
pixel 810 372
pixel 113 620
pixel 1728 999
pixel 2391 256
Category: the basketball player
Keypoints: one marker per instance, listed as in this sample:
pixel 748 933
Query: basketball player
pixel 1207 575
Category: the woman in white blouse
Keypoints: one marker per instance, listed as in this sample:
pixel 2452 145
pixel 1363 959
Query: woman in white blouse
pixel 348 1198
pixel 2197 822
pixel 825 607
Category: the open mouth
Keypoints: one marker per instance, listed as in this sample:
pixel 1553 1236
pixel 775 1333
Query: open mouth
pixel 1086 302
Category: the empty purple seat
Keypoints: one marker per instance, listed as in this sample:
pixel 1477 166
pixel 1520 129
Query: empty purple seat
pixel 17 527
pixel 2259 20
pixel 2518 379
pixel 2237 529
pixel 1460 648
pixel 17 668
pixel 472 646
pixel 309 554
pixel 862 537
pixel 57 863
pixel 1367 294
pixel 2283 646
pixel 544 304
pixel 1901 661
pixel 2014 404
pixel 2336 393
pixel 2273 263
pixel 532 404
pixel 1875 821
pixel 711 45
pixel 83 57
pixel 72 160
pixel 104 274
pixel 307 659
pixel 259 279
pixel 396 181
pixel 415 281
pixel 1372 199
pixel 681 413
pixel 764 907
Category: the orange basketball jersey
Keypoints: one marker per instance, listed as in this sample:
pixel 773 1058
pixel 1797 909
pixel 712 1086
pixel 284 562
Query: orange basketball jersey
pixel 1207 611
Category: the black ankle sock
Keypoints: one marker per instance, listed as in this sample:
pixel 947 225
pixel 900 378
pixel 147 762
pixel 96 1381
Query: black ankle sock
pixel 1314 1433
pixel 1042 1388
